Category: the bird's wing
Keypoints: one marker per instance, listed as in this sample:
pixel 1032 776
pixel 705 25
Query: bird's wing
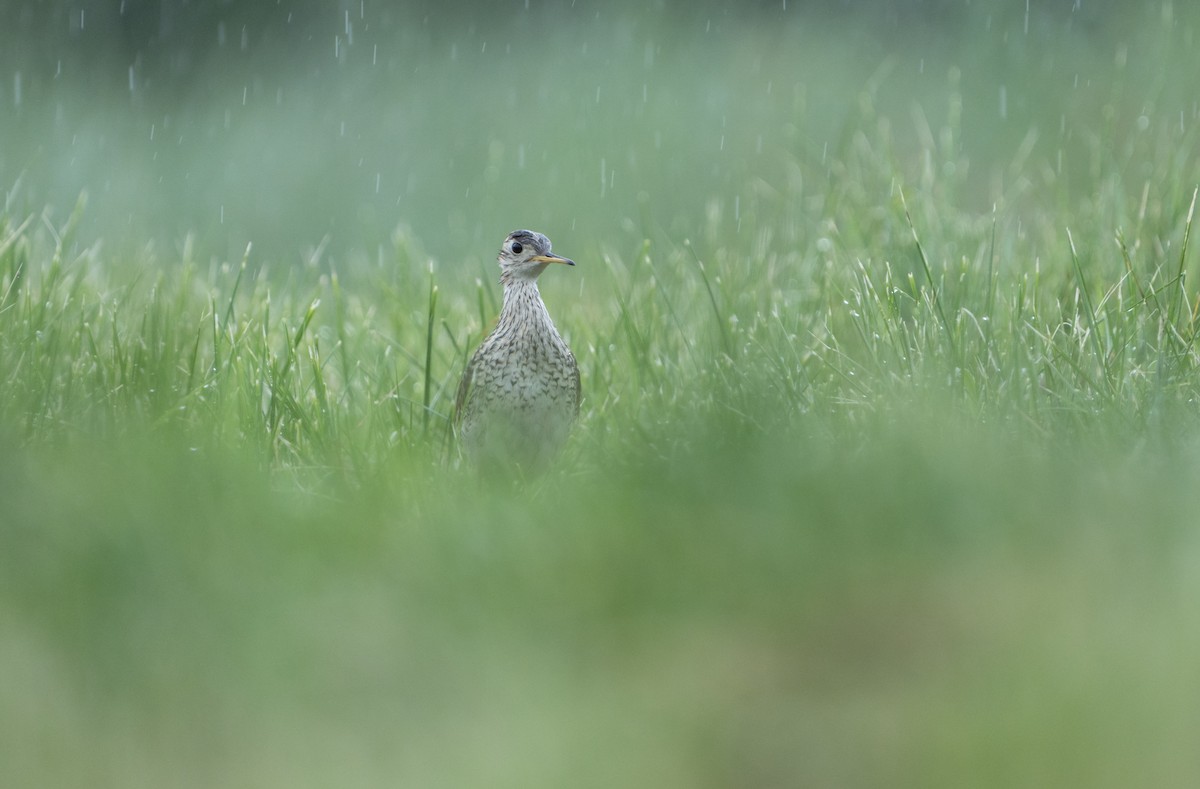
pixel 578 387
pixel 464 390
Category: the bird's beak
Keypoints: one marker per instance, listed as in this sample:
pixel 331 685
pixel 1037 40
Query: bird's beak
pixel 552 259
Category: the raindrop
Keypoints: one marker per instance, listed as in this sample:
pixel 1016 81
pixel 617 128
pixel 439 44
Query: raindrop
pixel 1143 122
pixel 245 90
pixel 603 182
pixel 17 89
pixel 81 13
pixel 597 94
pixel 222 214
pixel 377 182
pixel 1004 102
pixel 131 83
pixel 374 54
pixel 220 34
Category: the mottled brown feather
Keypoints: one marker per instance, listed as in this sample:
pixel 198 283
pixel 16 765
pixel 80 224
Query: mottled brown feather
pixel 520 392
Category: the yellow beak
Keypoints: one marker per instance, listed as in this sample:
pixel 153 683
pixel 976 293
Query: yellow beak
pixel 552 259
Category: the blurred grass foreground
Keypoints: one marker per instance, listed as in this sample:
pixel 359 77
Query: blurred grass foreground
pixel 887 468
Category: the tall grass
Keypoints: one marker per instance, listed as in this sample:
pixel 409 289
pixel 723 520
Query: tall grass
pixel 883 473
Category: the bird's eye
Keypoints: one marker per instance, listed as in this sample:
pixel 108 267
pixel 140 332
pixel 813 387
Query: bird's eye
pixel 516 247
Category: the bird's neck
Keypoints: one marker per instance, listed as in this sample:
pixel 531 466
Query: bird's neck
pixel 522 303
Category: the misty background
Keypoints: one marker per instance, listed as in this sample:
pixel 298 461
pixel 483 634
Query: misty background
pixel 327 130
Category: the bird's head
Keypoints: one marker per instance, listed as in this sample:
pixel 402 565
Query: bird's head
pixel 525 254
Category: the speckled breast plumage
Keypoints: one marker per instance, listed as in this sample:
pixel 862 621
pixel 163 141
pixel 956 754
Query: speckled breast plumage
pixel 520 392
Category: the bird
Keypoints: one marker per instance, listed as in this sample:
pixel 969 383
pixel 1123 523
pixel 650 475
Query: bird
pixel 520 392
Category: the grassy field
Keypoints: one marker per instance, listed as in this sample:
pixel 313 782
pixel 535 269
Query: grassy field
pixel 887 467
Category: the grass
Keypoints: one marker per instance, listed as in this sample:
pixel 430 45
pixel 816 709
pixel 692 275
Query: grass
pixel 883 477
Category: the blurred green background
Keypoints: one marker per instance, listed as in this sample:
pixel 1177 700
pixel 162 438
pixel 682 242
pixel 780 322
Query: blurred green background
pixel 287 124
pixel 886 469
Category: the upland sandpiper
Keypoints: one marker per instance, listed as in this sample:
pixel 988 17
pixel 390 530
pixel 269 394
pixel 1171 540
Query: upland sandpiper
pixel 519 394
